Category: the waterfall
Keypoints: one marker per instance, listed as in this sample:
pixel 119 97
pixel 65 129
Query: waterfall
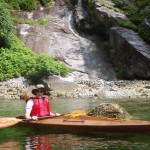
pixel 70 24
pixel 79 3
pixel 85 52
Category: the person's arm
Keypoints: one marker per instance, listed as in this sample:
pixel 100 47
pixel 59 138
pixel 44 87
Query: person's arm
pixel 27 115
pixel 52 114
pixel 29 106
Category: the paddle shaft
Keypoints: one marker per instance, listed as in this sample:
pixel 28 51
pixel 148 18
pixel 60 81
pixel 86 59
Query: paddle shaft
pixel 39 118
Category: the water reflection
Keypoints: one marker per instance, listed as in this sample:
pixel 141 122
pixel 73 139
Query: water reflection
pixel 86 142
pixel 40 142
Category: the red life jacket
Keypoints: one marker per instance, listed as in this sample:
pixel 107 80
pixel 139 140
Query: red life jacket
pixel 40 107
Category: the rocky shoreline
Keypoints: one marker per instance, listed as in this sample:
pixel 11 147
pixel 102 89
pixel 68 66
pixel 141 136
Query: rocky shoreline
pixel 83 88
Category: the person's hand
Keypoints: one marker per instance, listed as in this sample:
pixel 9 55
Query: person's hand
pixel 57 114
pixel 35 118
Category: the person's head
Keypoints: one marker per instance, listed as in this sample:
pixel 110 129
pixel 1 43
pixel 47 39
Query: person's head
pixel 39 90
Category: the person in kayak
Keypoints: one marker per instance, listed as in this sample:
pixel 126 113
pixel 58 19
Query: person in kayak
pixel 38 106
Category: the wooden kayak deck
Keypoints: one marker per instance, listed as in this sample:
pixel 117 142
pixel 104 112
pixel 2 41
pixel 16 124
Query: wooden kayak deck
pixel 90 124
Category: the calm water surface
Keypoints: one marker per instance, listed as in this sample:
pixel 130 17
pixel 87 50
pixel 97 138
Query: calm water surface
pixel 25 138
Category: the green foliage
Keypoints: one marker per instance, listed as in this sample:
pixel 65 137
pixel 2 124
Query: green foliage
pixel 113 50
pixel 37 23
pixel 137 19
pixel 109 6
pixel 121 72
pixel 118 3
pixel 127 24
pixel 129 11
pixel 90 9
pixel 142 3
pixel 97 26
pixel 46 65
pixel 45 3
pixel 106 44
pixel 21 61
pixel 6 27
pixel 136 16
pixel 13 60
pixel 27 5
pixel 69 3
pixel 144 33
pixel 43 21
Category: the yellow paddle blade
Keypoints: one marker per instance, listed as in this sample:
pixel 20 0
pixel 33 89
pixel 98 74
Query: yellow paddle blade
pixel 7 122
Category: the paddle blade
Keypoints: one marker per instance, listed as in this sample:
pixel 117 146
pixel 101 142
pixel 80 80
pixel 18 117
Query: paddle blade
pixel 7 122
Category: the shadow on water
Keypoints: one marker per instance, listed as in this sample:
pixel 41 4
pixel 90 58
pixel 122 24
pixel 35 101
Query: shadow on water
pixel 16 137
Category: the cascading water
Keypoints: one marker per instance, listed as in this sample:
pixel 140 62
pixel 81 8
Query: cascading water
pixel 90 57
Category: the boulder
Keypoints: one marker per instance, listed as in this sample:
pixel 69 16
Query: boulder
pixel 109 110
pixel 58 84
pixel 130 52
pixel 108 17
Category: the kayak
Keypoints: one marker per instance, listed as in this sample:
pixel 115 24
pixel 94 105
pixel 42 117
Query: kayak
pixel 82 124
pixel 86 124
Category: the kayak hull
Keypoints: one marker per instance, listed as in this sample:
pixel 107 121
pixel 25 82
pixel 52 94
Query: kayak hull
pixel 89 124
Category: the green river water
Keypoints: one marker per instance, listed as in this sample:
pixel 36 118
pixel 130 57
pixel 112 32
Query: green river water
pixel 25 138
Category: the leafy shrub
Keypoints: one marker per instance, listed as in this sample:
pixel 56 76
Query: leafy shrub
pixel 142 3
pixel 144 33
pixel 6 27
pixel 21 61
pixel 13 60
pixel 127 24
pixel 45 2
pixel 118 3
pixel 137 19
pixel 27 5
pixel 46 65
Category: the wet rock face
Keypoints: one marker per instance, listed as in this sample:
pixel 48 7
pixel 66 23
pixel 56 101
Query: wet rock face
pixel 131 52
pixel 108 17
pixel 82 20
pixel 109 110
pixel 59 39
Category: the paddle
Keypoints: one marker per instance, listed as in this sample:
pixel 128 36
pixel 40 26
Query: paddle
pixel 9 121
pixel 40 118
